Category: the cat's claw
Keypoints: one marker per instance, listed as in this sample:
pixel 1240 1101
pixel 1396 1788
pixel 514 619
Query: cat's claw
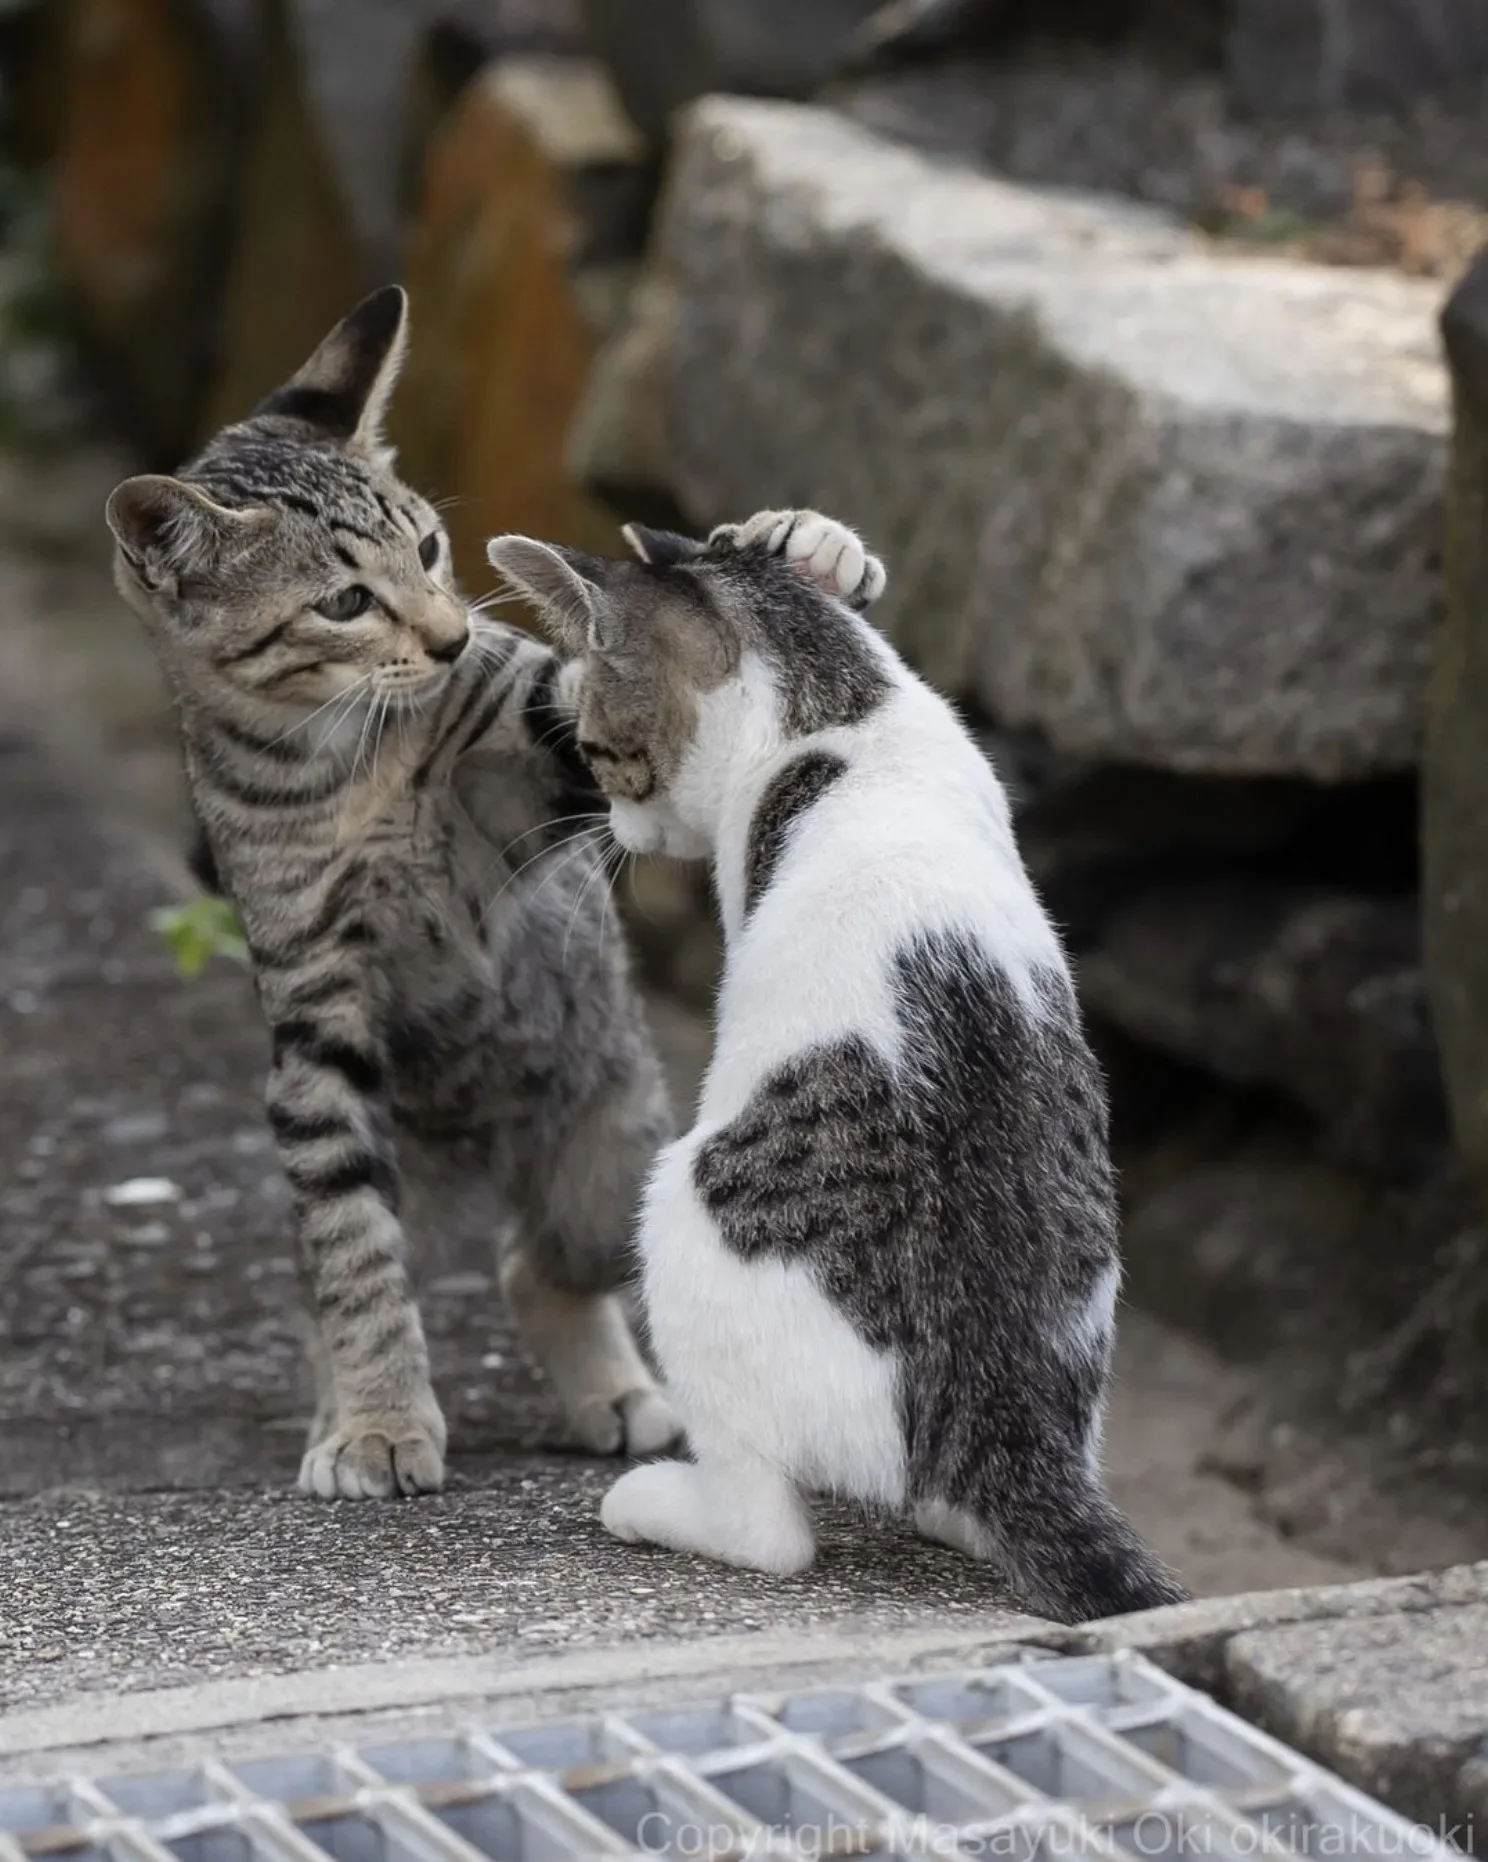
pixel 390 1458
pixel 830 553
pixel 638 1424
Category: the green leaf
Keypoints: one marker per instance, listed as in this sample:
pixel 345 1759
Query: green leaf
pixel 200 930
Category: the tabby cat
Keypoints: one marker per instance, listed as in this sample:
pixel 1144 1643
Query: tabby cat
pixel 387 787
pixel 883 1261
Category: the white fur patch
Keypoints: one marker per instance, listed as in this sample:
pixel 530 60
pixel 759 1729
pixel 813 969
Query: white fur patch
pixel 777 1390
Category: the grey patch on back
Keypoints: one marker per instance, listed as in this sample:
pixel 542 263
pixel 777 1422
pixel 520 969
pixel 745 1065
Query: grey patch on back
pixel 788 795
pixel 960 1209
pixel 826 670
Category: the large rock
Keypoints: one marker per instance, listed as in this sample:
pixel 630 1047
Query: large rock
pixel 1313 55
pixel 1273 983
pixel 1171 507
pixel 1455 808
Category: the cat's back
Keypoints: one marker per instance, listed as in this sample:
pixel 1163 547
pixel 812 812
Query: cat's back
pixel 864 849
pixel 867 836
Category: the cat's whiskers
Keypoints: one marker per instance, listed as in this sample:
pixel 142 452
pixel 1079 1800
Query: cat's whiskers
pixel 601 872
pixel 580 846
pixel 348 697
pixel 542 852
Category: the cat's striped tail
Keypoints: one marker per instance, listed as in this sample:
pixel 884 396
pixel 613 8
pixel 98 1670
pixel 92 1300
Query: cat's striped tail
pixel 1073 1554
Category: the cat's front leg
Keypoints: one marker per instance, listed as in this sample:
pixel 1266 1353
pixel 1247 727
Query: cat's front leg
pixel 378 1432
pixel 830 553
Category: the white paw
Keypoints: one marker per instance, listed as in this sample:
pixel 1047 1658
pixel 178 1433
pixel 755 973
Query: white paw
pixel 830 553
pixel 654 1505
pixel 378 1458
pixel 684 1507
pixel 639 1423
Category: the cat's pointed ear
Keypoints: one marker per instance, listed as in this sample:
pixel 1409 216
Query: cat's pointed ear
pixel 565 586
pixel 164 526
pixel 343 391
pixel 662 549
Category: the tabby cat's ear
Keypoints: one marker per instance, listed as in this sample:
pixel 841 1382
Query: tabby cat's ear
pixel 565 586
pixel 164 526
pixel 661 548
pixel 343 391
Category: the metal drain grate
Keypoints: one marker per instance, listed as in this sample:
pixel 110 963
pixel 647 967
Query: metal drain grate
pixel 1033 1762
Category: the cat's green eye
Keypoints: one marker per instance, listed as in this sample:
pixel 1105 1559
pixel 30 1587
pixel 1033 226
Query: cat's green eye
pixel 347 604
pixel 429 550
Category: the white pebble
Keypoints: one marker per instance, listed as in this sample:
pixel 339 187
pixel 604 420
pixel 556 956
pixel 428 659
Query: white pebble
pixel 138 1192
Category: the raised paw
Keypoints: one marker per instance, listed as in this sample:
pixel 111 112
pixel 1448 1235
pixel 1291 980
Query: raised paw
pixel 640 1423
pixel 385 1458
pixel 827 551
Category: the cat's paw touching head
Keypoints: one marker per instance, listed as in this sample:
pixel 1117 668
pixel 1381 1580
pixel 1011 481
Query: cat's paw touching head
pixel 828 552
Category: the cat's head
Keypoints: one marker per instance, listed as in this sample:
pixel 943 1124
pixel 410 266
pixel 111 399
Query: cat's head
pixel 289 562
pixel 691 664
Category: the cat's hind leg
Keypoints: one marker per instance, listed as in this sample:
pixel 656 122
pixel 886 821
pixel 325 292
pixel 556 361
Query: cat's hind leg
pixel 583 1341
pixel 565 1275
pixel 779 1393
pixel 736 1509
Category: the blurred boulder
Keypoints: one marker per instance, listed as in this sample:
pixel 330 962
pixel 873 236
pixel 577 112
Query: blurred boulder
pixel 617 445
pixel 1294 56
pixel 664 53
pixel 153 107
pixel 1455 778
pixel 1265 983
pixel 1166 505
pixel 518 214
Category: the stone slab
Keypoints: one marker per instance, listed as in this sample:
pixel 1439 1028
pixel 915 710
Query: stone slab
pixel 1170 506
pixel 1397 1704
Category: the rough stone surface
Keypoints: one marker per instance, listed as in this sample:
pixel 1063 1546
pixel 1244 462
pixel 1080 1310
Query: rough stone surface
pixel 1170 507
pixel 1191 1639
pixel 1396 1704
pixel 618 443
pixel 1238 1228
pixel 1316 993
pixel 1318 55
pixel 1455 776
pixel 112 1590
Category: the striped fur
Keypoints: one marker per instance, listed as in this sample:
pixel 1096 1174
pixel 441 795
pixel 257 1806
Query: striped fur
pixel 388 789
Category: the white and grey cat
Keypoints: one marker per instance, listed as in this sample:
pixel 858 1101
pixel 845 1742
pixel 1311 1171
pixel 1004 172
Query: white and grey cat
pixel 883 1262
